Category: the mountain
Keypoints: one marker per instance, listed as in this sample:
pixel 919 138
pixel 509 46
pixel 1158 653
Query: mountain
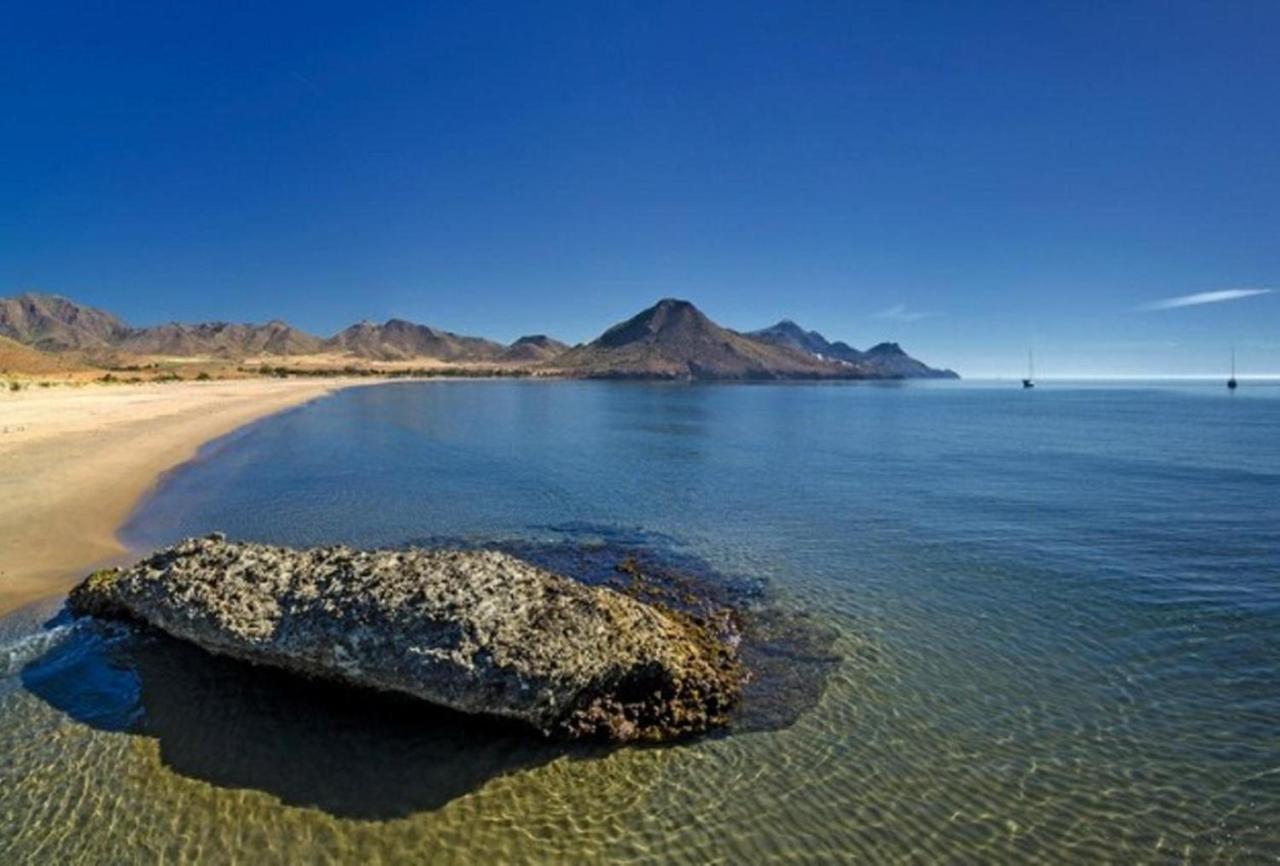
pixel 674 340
pixel 220 339
pixel 890 358
pixel 533 348
pixel 886 360
pixel 397 340
pixel 53 323
pixel 787 333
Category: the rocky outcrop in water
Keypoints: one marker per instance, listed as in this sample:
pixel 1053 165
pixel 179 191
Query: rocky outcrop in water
pixel 477 631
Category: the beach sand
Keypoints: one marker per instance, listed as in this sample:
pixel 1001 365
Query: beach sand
pixel 74 461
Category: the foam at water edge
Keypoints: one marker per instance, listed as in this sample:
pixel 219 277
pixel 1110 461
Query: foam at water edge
pixel 17 654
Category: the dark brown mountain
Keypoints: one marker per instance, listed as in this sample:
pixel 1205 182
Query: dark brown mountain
pixel 534 348
pixel 53 323
pixel 674 340
pixel 220 339
pixel 398 340
pixel 885 360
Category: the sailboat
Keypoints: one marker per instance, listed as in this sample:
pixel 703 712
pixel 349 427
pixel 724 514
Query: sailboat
pixel 1030 381
pixel 1232 383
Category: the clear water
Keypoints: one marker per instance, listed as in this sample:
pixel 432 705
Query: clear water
pixel 1058 613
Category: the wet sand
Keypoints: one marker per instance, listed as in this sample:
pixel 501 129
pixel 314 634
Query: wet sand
pixel 75 460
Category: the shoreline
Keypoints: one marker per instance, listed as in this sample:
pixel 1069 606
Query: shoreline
pixel 75 463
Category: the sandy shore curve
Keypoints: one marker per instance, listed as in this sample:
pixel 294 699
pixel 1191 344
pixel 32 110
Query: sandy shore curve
pixel 74 462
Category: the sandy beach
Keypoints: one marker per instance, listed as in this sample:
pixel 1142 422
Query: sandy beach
pixel 75 461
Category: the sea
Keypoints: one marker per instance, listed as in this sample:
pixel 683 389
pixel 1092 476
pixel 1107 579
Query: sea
pixel 1010 626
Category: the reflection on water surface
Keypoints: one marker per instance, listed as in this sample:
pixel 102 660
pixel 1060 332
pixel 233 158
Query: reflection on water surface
pixel 1046 628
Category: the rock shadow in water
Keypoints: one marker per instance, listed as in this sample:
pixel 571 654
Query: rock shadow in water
pixel 353 753
pixel 791 655
pixel 370 755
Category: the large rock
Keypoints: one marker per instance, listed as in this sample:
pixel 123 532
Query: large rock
pixel 478 631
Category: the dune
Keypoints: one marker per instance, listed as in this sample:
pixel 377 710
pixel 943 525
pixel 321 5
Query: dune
pixel 19 361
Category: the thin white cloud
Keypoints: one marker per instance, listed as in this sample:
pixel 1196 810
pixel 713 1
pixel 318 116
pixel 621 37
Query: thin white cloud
pixel 1204 298
pixel 304 80
pixel 900 313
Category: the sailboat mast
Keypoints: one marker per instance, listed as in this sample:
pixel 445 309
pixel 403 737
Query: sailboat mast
pixel 1031 365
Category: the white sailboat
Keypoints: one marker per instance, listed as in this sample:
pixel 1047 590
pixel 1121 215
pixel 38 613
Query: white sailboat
pixel 1030 381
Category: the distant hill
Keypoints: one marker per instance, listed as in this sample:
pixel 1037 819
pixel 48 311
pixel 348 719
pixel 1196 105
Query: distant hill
pixel 787 333
pixel 28 361
pixel 532 349
pixel 53 323
pixel 890 358
pixel 397 340
pixel 220 339
pixel 674 340
pixel 885 360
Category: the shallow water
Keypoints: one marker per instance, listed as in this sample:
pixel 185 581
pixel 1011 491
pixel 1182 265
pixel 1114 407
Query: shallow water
pixel 1057 614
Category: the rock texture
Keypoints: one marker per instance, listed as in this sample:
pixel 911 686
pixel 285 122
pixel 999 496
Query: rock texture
pixel 478 631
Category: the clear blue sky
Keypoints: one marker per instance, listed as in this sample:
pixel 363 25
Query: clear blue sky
pixel 965 178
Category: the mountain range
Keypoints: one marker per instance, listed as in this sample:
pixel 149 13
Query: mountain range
pixel 51 323
pixel 888 358
pixel 55 324
pixel 673 339
pixel 399 340
pixel 219 339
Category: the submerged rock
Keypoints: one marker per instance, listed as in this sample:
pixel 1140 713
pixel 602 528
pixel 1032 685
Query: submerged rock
pixel 477 631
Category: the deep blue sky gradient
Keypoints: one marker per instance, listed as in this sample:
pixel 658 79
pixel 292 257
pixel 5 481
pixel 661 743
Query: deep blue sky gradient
pixel 966 178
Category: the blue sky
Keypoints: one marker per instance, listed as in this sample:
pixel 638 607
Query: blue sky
pixel 965 178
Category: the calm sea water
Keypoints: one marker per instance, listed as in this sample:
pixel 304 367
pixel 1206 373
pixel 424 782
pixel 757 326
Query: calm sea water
pixel 1057 615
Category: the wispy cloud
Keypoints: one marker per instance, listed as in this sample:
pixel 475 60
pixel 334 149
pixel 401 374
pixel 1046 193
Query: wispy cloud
pixel 1204 298
pixel 900 313
pixel 304 80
